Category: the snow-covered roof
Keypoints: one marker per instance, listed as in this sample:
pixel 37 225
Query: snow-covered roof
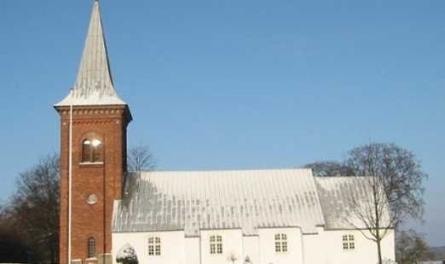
pixel 202 200
pixel 347 201
pixel 94 83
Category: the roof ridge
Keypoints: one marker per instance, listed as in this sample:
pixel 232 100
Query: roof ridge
pixel 222 170
pixel 341 177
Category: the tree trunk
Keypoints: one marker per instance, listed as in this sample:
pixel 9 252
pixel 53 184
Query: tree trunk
pixel 379 250
pixel 377 223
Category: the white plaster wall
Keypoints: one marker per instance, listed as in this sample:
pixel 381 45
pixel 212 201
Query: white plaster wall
pixel 251 248
pixel 389 246
pixel 327 248
pixel 294 255
pixel 192 250
pixel 314 251
pixel 323 248
pixel 232 244
pixel 172 246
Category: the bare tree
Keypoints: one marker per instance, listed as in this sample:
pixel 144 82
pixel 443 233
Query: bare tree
pixel 34 209
pixel 13 248
pixel 411 248
pixel 140 158
pixel 398 171
pixel 330 168
pixel 395 186
pixel 369 212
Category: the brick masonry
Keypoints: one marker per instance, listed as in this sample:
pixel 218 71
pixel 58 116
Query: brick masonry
pixel 105 180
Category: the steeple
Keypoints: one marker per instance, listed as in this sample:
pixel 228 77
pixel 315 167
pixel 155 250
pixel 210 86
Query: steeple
pixel 93 154
pixel 94 83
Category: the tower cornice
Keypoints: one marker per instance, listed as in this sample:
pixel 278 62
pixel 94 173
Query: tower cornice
pixel 96 110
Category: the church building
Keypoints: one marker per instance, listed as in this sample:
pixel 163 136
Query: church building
pixel 275 216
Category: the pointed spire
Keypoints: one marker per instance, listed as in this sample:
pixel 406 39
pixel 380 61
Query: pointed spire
pixel 94 83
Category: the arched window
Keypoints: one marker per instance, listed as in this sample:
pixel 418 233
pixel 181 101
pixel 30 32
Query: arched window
pixel 92 150
pixel 280 243
pixel 91 247
pixel 154 246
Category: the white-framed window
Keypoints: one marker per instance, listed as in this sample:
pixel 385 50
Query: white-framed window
pixel 154 246
pixel 348 242
pixel 216 244
pixel 280 243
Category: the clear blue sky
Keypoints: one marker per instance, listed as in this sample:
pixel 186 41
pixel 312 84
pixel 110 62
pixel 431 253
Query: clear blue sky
pixel 237 84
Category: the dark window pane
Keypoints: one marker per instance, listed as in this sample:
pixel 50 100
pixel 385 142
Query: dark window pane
pixel 91 247
pixel 86 150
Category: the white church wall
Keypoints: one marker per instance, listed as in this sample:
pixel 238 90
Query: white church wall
pixel 294 252
pixel 388 246
pixel 327 248
pixel 232 246
pixel 314 248
pixel 251 249
pixel 172 246
pixel 192 250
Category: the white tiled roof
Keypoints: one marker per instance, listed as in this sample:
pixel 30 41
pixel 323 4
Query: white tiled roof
pixel 244 199
pixel 344 199
pixel 197 200
pixel 94 84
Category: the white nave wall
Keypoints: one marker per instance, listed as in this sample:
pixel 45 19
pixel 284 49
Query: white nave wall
pixel 326 248
pixel 322 248
pixel 173 246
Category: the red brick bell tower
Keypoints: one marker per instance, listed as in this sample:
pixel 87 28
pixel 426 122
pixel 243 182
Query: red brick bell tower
pixel 93 154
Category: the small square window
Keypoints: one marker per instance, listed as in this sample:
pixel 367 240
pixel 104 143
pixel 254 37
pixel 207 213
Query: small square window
pixel 154 246
pixel 280 243
pixel 216 246
pixel 348 242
